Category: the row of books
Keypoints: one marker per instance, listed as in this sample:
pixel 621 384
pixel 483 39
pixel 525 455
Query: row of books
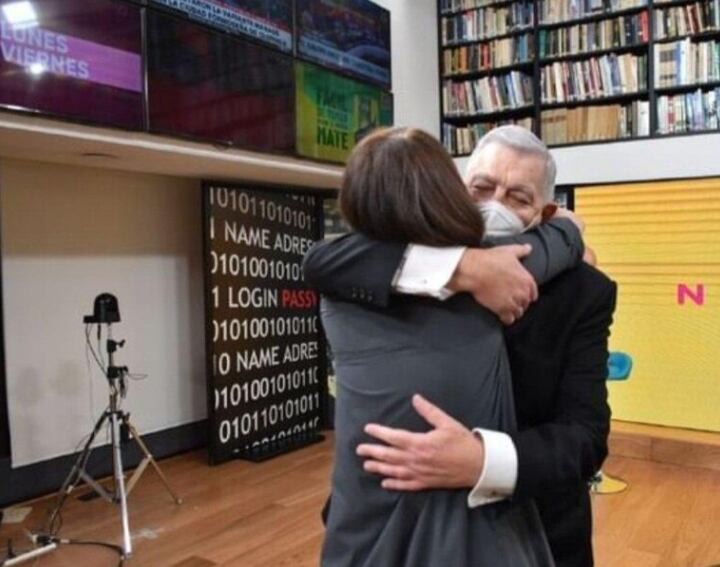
pixel 486 23
pixel 555 11
pixel 688 112
pixel 487 56
pixel 691 18
pixel 462 140
pixel 686 63
pixel 595 123
pixel 604 34
pixel 489 94
pixel 598 77
pixel 449 6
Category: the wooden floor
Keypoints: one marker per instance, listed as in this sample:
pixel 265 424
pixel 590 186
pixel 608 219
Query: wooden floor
pixel 241 514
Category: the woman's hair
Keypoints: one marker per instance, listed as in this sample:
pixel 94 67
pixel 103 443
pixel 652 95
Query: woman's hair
pixel 401 185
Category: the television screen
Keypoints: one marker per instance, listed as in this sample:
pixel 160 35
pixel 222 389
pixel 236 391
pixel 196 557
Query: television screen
pixel 212 86
pixel 351 35
pixel 267 20
pixel 334 112
pixel 79 59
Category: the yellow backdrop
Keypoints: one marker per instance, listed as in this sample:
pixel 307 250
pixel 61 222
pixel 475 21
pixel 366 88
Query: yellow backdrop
pixel 661 243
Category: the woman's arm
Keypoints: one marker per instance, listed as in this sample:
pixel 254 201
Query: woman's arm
pixel 354 268
pixel 557 246
pixel 357 269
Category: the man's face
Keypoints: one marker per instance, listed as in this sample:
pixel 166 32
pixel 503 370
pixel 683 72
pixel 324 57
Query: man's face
pixel 514 178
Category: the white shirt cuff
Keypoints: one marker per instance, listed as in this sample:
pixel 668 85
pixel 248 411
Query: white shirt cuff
pixel 427 270
pixel 500 470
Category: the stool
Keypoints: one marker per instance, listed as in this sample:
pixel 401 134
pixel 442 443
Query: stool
pixel 619 368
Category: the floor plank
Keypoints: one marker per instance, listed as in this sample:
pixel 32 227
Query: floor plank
pixel 267 515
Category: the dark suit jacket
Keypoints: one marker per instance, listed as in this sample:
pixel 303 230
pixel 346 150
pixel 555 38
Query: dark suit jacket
pixel 558 355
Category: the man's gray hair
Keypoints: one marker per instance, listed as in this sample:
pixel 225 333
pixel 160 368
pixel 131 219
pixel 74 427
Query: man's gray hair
pixel 522 140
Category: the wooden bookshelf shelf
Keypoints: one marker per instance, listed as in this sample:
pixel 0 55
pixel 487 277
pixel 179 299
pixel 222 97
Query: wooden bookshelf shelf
pixel 463 10
pixel 639 111
pixel 468 75
pixel 597 101
pixel 489 116
pixel 661 5
pixel 707 34
pixel 517 31
pixel 678 89
pixel 592 18
pixel 596 53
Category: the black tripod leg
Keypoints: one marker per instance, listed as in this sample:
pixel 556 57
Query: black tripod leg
pixel 73 478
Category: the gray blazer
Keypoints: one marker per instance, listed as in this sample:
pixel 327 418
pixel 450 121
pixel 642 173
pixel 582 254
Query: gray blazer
pixel 451 352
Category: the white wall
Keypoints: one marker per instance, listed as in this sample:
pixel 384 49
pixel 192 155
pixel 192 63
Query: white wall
pixel 668 158
pixel 415 63
pixel 68 234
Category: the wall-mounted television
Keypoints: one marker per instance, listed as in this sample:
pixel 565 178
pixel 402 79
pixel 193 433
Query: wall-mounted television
pixel 211 86
pixel 334 112
pixel 78 59
pixel 350 35
pixel 270 21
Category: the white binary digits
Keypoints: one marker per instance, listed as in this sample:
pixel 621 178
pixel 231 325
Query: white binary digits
pixel 264 328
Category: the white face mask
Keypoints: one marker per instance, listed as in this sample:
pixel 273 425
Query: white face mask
pixel 499 220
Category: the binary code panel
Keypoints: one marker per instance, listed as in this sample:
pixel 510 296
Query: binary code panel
pixel 265 348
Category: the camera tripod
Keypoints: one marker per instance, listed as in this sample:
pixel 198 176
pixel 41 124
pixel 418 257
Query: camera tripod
pixel 121 428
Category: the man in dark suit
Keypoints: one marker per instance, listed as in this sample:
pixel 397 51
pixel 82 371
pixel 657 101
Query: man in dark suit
pixel 558 354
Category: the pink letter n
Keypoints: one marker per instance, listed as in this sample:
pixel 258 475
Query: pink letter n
pixel 697 296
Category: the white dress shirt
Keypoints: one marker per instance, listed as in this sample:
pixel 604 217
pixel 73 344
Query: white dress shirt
pixel 426 271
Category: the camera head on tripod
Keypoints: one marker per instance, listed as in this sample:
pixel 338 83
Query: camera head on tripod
pixel 105 310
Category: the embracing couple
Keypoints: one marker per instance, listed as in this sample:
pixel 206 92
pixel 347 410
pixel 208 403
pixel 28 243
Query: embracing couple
pixel 470 347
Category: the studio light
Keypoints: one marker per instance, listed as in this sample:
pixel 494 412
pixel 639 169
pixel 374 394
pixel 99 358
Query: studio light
pixel 37 68
pixel 20 14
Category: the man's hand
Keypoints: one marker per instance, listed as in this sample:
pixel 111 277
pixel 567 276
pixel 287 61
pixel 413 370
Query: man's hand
pixel 497 280
pixel 449 456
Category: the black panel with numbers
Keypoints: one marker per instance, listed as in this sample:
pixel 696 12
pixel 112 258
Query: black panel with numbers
pixel 265 348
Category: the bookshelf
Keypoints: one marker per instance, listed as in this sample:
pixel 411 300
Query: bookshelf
pixel 578 71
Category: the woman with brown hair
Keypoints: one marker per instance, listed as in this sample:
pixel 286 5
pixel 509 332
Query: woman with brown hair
pixel 400 185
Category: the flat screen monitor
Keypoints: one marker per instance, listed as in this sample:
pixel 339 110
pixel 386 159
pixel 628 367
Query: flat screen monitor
pixel 350 35
pixel 78 59
pixel 334 112
pixel 210 86
pixel 269 21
